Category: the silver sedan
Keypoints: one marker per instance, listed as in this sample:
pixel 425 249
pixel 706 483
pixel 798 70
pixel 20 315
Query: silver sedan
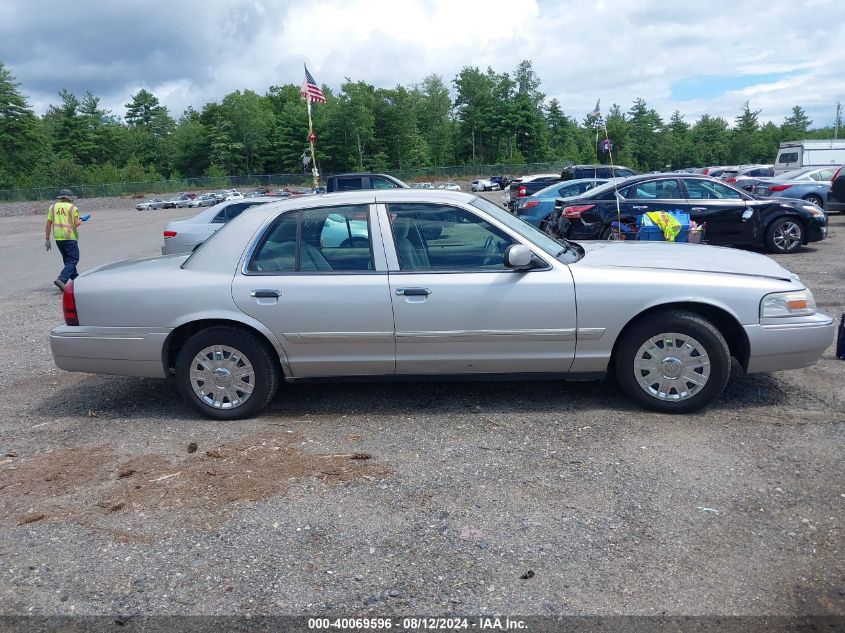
pixel 433 283
pixel 183 236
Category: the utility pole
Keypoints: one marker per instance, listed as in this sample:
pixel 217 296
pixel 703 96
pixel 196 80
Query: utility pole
pixel 836 121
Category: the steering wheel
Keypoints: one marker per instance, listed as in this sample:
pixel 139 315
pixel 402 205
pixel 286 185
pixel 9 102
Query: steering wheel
pixel 356 241
pixel 491 251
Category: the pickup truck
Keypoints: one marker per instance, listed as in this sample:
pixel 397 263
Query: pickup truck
pixel 526 186
pixel 356 182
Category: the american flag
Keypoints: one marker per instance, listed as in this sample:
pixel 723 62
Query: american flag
pixel 596 111
pixel 310 89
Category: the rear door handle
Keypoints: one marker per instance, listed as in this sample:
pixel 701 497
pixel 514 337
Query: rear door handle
pixel 413 292
pixel 640 207
pixel 698 208
pixel 265 293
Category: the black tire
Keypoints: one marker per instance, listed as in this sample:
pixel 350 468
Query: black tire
pixel 252 350
pixel 816 200
pixel 784 235
pixel 699 337
pixel 609 234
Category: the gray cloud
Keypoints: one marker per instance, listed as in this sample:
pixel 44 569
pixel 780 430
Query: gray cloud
pixel 189 53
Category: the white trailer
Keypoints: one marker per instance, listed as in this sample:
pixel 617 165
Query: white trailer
pixel 798 154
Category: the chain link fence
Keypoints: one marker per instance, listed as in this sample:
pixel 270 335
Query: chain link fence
pixel 115 189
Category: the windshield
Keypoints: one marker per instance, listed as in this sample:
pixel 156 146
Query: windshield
pixel 562 250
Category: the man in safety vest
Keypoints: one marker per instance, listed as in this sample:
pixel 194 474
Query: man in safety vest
pixel 63 218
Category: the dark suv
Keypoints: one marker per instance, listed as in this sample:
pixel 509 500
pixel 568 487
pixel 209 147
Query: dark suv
pixel 574 172
pixel 837 185
pixel 356 182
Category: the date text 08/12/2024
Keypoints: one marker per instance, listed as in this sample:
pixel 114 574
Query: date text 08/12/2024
pixel 418 623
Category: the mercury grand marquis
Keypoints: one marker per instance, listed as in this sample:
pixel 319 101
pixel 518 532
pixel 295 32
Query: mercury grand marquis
pixel 430 282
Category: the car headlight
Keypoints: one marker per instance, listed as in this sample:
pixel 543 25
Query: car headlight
pixel 814 210
pixel 786 304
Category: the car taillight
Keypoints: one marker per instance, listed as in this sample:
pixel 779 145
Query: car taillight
pixel 169 234
pixel 69 305
pixel 574 212
pixel 779 187
pixel 529 204
pixel 730 180
pixel 521 191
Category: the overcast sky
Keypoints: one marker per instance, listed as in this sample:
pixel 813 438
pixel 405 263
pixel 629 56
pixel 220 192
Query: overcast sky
pixel 703 56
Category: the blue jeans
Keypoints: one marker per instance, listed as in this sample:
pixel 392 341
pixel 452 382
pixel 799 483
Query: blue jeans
pixel 70 256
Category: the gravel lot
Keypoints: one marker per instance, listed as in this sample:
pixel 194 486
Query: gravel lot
pixel 425 498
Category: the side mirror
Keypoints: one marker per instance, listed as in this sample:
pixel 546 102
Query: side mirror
pixel 747 215
pixel 519 257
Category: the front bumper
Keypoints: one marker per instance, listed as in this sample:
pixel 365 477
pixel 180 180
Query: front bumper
pixel 800 342
pixel 123 351
pixel 817 229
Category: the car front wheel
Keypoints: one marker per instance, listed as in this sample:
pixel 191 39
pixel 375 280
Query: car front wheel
pixel 673 362
pixel 784 235
pixel 226 373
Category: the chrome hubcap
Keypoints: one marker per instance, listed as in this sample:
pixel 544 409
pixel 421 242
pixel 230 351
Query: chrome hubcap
pixel 222 377
pixel 672 366
pixel 787 235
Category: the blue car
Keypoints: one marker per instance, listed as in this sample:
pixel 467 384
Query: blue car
pixel 811 185
pixel 536 208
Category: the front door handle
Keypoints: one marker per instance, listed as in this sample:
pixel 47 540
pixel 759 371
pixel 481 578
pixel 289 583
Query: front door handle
pixel 413 292
pixel 640 207
pixel 265 293
pixel 698 208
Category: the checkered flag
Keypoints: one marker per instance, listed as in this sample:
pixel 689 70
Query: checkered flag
pixel 598 123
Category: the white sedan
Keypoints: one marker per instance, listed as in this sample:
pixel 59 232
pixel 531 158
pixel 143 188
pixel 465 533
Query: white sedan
pixel 275 295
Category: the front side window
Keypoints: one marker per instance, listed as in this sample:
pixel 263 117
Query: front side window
pixel 436 237
pixel 710 190
pixel 335 239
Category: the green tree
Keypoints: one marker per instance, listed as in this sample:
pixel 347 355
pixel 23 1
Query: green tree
pixel 710 137
pixel 644 126
pixel 796 125
pixel 21 144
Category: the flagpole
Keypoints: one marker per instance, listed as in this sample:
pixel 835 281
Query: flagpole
pixel 311 138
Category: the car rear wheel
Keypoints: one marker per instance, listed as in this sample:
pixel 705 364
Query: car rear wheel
pixel 673 362
pixel 226 374
pixel 816 200
pixel 784 235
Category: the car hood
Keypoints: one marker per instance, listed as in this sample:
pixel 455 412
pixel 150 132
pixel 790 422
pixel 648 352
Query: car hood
pixel 676 256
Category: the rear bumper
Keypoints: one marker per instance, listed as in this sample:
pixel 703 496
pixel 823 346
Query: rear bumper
pixel 123 351
pixel 799 343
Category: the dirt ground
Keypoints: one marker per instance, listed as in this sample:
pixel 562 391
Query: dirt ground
pixel 423 498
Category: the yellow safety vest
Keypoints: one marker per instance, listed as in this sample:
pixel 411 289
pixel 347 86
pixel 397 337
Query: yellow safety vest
pixel 64 215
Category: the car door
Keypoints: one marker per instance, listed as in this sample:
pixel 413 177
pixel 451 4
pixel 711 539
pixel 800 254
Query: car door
pixel 326 299
pixel 457 309
pixel 722 211
pixel 659 194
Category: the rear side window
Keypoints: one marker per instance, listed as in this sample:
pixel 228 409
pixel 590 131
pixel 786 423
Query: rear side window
pixel 709 190
pixel 786 159
pixel 349 184
pixel 333 239
pixel 652 190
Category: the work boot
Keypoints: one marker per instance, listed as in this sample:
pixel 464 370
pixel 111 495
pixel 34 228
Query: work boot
pixel 60 284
